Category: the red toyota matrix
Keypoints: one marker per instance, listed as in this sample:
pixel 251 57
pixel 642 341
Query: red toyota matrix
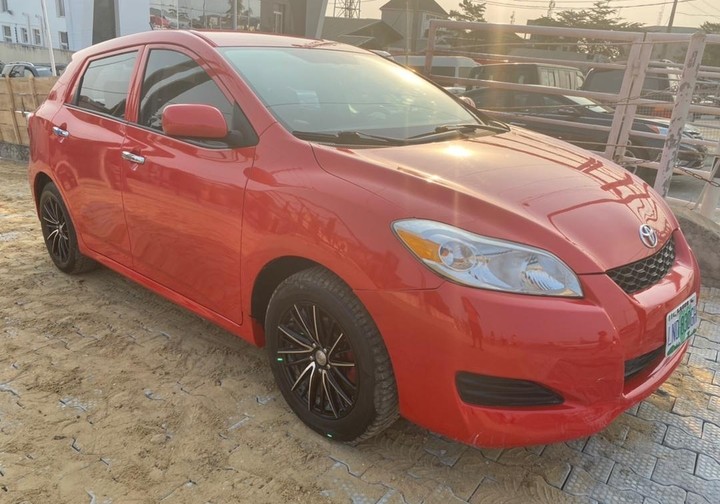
pixel 396 252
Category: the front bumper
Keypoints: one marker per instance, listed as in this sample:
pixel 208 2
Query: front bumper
pixel 576 348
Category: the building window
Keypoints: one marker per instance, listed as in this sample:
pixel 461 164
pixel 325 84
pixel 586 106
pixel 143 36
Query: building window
pixel 4 6
pixel 24 36
pixel 7 33
pixel 64 41
pixel 60 5
pixel 37 38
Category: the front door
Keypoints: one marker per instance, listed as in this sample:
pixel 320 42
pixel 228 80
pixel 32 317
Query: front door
pixel 184 197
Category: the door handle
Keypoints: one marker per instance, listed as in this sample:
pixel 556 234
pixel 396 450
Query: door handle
pixel 60 132
pixel 133 158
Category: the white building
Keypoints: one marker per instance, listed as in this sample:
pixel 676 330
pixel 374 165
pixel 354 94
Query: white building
pixel 21 24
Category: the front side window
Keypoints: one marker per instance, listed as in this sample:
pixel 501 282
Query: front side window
pixel 324 91
pixel 104 86
pixel 172 77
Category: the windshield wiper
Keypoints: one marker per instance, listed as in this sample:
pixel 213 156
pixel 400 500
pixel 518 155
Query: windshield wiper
pixel 446 129
pixel 348 137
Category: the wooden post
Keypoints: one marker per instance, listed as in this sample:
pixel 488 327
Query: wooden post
pixel 33 92
pixel 8 83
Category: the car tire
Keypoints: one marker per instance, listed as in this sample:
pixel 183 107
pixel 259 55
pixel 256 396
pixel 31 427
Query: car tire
pixel 328 358
pixel 59 233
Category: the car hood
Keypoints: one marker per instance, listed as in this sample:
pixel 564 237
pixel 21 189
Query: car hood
pixel 519 186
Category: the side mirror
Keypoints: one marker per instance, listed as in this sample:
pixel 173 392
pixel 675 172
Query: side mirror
pixel 193 120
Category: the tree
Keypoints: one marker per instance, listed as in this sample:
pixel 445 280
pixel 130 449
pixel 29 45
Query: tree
pixel 600 17
pixel 469 11
pixel 711 56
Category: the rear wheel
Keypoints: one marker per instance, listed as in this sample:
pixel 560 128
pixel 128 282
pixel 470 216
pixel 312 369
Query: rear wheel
pixel 59 233
pixel 328 358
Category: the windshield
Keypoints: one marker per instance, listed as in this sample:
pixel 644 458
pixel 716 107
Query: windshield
pixel 325 91
pixel 590 105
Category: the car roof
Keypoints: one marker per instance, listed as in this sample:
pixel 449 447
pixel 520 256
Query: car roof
pixel 543 65
pixel 216 39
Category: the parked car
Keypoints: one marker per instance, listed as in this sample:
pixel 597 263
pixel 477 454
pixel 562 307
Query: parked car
pixel 25 69
pixel 395 250
pixel 445 66
pixel 566 77
pixel 531 108
pixel 656 86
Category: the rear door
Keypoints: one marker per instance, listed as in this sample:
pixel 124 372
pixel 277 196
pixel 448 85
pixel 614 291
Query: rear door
pixel 183 197
pixel 87 134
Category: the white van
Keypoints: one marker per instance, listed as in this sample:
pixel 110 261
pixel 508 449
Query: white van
pixel 446 66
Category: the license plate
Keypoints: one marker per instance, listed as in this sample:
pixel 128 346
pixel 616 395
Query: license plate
pixel 680 324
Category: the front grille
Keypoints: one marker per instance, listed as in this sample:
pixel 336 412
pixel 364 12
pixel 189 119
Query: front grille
pixel 642 274
pixel 485 390
pixel 638 364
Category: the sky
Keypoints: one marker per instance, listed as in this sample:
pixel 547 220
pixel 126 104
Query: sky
pixel 690 13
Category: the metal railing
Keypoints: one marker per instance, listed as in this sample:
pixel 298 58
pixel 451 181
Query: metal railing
pixel 636 49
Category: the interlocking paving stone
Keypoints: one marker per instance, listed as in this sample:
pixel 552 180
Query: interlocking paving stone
pixel 701 342
pixel 338 482
pixel 711 433
pixel 580 483
pixel 666 474
pixel 446 451
pixel 598 467
pixel 642 463
pixel 683 459
pixel 707 468
pixel 554 471
pixel 688 424
pixel 705 353
pixel 625 478
pixel 693 498
pixel 677 438
pixel 685 407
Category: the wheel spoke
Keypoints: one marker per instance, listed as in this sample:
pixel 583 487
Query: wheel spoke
pixel 327 393
pixel 309 367
pixel 302 321
pixel 312 389
pixel 295 338
pixel 342 364
pixel 332 349
pixel 338 389
pixel 298 362
pixel 344 378
pixel 317 334
pixel 47 218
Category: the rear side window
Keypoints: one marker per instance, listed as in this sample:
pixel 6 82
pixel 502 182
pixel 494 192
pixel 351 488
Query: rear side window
pixel 104 86
pixel 172 77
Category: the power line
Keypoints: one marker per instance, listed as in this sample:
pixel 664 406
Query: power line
pixel 535 7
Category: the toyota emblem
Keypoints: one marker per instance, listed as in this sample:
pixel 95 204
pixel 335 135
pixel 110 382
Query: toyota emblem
pixel 648 236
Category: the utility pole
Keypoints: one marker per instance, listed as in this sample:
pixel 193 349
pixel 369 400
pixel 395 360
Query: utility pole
pixel 672 17
pixel 48 38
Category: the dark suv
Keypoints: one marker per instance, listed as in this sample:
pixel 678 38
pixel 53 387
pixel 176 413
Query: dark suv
pixel 661 87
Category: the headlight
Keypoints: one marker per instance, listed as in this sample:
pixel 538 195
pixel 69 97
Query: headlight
pixel 487 263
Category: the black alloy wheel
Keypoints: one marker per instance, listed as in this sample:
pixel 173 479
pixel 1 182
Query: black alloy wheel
pixel 59 233
pixel 328 358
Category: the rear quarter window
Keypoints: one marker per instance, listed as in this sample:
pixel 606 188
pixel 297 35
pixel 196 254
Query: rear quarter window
pixel 104 85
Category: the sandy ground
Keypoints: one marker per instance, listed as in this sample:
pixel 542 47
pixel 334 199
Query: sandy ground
pixel 109 393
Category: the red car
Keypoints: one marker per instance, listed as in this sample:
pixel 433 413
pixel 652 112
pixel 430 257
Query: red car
pixel 396 251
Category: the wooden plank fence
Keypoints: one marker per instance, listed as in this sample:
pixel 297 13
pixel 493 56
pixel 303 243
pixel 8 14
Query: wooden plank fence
pixel 19 95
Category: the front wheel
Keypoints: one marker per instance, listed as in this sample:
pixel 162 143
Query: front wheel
pixel 328 357
pixel 59 233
